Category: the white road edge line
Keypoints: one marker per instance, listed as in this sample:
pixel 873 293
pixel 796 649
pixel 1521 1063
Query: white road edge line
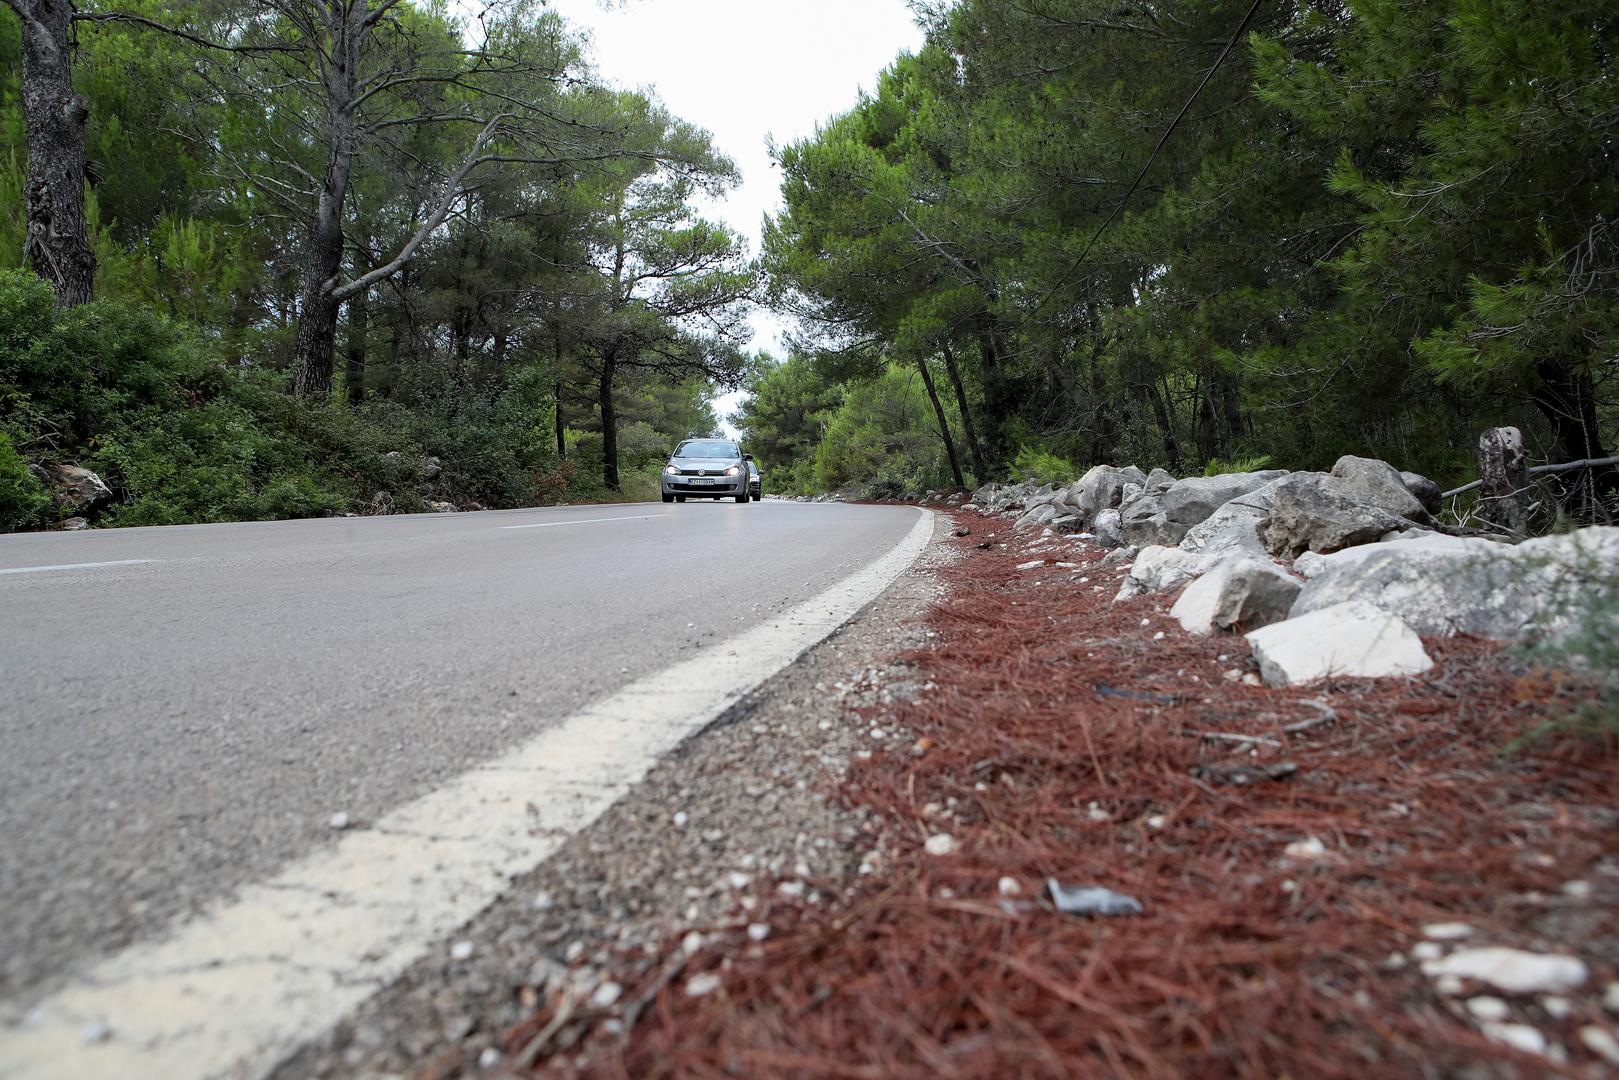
pixel 77 566
pixel 586 521
pixel 233 992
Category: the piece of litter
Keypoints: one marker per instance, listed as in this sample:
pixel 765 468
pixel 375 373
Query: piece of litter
pixel 1447 931
pixel 606 995
pixel 1512 970
pixel 699 985
pixel 461 950
pixel 940 844
pixel 1091 900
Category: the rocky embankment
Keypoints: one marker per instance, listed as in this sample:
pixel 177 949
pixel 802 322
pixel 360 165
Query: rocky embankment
pixel 1338 573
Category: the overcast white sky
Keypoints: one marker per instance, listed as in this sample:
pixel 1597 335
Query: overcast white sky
pixel 747 70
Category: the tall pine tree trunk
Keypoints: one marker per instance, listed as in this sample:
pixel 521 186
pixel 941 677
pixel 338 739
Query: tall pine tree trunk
pixel 609 418
pixel 355 355
pixel 944 424
pixel 967 425
pixel 57 245
pixel 323 261
pixel 1566 397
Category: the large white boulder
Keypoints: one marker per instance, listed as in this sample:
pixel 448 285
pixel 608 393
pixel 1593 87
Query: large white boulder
pixel 76 489
pixel 1189 501
pixel 1239 592
pixel 1349 640
pixel 1159 569
pixel 1378 484
pixel 1309 513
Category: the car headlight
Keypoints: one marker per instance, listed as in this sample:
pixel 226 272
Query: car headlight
pixel 671 470
pixel 733 471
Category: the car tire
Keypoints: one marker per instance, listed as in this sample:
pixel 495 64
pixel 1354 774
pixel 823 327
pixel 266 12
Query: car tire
pixel 668 497
pixel 757 496
pixel 680 498
pixel 742 498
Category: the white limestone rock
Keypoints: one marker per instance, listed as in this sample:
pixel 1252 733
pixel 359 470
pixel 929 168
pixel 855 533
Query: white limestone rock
pixel 1238 592
pixel 1512 970
pixel 1158 569
pixel 1351 640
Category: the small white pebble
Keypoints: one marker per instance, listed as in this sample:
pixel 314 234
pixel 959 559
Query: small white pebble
pixel 1309 850
pixel 1540 858
pixel 791 888
pixel 1008 886
pixel 737 880
pixel 1157 821
pixel 1518 1036
pixel 1450 985
pixel 940 844
pixel 1096 813
pixel 338 821
pixel 574 951
pixel 1485 1007
pixel 543 902
pixel 1395 961
pixel 699 985
pixel 680 819
pixel 1427 950
pixel 489 1058
pixel 1146 622
pixel 1610 997
pixel 1233 675
pixel 691 943
pixel 1159 636
pixel 1577 890
pixel 758 931
pixel 461 950
pixel 1290 886
pixel 1447 931
pixel 1600 1041
pixel 1251 679
pixel 606 995
pixel 1558 1008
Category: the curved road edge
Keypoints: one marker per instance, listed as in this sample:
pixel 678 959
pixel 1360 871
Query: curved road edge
pixel 233 992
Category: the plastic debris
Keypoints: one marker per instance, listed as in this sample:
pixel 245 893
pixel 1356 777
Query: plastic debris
pixel 1091 900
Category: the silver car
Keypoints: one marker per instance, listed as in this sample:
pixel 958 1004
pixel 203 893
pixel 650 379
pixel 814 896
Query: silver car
pixel 706 469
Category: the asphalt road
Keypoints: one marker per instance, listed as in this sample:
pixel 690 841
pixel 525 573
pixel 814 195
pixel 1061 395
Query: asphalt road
pixel 182 710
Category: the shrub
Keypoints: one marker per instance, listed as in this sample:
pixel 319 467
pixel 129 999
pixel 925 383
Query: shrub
pixel 1043 467
pixel 24 502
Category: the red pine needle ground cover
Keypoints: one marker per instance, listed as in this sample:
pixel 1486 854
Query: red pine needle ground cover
pixel 1060 740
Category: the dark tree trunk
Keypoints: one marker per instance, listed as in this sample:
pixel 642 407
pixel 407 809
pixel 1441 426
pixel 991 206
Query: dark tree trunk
pixel 1566 397
pixel 562 427
pixel 1166 424
pixel 944 424
pixel 609 418
pixel 355 356
pixel 323 262
pixel 966 413
pixel 1503 480
pixel 998 404
pixel 57 244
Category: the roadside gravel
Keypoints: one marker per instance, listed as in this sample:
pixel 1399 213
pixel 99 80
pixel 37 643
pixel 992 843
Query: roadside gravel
pixel 735 814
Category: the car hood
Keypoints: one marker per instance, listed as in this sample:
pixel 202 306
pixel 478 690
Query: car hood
pixel 711 464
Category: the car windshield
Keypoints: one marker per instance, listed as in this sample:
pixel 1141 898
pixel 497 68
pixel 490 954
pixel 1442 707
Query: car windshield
pixel 707 448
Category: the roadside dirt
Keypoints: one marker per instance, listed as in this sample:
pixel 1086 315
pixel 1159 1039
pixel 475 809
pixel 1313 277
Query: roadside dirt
pixel 738 823
pixel 1299 856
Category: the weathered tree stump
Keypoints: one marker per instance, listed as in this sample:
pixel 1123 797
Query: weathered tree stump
pixel 1503 500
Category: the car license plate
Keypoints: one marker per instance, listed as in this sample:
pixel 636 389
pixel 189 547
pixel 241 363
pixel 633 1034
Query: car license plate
pixel 701 480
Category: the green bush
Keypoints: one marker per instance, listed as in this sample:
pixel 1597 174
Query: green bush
pixel 1038 465
pixel 24 502
pixel 1252 463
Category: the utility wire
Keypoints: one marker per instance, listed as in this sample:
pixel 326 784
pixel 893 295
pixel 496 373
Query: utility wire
pixel 1134 184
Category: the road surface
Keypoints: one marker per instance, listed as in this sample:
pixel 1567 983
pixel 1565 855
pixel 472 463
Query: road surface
pixel 184 709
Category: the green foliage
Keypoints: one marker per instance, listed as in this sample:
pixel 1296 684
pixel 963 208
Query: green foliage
pixel 880 440
pixel 24 502
pixel 1034 463
pixel 1254 463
